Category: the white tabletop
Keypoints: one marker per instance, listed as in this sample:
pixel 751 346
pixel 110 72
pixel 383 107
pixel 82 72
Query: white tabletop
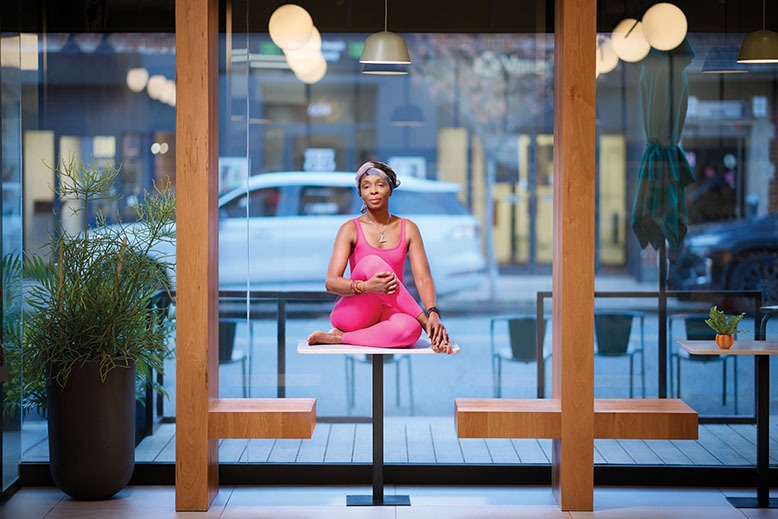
pixel 420 347
pixel 739 348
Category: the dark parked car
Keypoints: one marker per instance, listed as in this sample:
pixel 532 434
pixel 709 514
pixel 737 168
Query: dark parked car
pixel 736 255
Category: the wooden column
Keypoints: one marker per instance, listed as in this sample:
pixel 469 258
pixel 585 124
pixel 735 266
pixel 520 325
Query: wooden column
pixel 197 141
pixel 573 260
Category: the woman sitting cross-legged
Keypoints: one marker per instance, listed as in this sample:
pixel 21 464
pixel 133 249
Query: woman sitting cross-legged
pixel 375 308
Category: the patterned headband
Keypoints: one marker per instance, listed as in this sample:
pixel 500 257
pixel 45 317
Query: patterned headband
pixel 368 168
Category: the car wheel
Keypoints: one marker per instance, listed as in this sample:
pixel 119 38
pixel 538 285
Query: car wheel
pixel 755 272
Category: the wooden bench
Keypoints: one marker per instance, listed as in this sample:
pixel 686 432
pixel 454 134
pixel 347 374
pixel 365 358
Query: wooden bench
pixel 648 419
pixel 262 418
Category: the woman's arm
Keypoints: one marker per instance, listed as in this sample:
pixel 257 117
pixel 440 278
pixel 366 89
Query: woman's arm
pixel 341 251
pixel 426 287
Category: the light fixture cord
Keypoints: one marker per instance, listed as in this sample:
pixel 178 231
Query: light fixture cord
pixel 386 10
pixel 763 13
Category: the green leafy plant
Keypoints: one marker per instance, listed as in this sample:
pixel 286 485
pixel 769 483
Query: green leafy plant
pixel 98 294
pixel 723 324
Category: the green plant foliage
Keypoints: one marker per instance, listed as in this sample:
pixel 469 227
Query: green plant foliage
pixel 97 295
pixel 723 324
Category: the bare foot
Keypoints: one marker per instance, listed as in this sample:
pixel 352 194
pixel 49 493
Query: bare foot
pixel 334 336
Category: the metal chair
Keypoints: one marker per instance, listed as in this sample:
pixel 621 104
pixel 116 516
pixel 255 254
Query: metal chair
pixel 351 361
pixel 698 330
pixel 523 340
pixel 613 332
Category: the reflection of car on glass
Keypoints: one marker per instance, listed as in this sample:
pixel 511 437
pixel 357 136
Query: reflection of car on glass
pixel 737 255
pixel 278 234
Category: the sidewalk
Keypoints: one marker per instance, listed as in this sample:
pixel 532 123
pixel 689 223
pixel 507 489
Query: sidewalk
pixel 518 292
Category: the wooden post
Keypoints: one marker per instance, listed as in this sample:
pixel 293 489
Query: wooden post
pixel 197 141
pixel 573 260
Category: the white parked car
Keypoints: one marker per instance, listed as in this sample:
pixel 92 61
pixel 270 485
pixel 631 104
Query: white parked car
pixel 278 233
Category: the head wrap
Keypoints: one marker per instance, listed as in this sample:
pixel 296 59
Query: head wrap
pixel 379 169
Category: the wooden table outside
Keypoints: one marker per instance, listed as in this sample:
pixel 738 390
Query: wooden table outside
pixel 761 351
pixel 421 347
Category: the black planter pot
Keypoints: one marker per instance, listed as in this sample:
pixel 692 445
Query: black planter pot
pixel 92 431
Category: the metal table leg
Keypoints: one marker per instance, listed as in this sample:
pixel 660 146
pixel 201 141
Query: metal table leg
pixel 378 498
pixel 762 499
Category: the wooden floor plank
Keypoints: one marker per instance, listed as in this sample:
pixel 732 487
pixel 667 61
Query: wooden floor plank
pixel 669 453
pixel 313 450
pixel 640 452
pixel 232 450
pixel 474 450
pixel 529 451
pixel 727 435
pixel 285 451
pixel 340 445
pixel 363 443
pixel 395 442
pixel 695 451
pixel 420 449
pixel 258 450
pixel 613 452
pixel 501 450
pixel 719 449
pixel 445 442
pixel 150 447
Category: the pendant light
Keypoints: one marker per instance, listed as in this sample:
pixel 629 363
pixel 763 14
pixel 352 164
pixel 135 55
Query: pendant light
pixel 664 26
pixel 629 43
pixel 384 48
pixel 722 59
pixel 290 26
pixel 760 46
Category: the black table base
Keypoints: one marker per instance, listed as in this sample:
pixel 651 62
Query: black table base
pixel 378 498
pixel 752 502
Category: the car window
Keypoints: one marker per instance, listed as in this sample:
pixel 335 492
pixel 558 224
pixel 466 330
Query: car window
pixel 326 200
pixel 417 202
pixel 262 202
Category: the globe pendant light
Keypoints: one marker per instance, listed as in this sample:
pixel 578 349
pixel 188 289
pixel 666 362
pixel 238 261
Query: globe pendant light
pixel 290 26
pixel 629 43
pixel 760 46
pixel 664 26
pixel 607 60
pixel 384 48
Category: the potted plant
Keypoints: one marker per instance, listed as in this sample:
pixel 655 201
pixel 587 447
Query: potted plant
pixel 725 327
pixel 94 327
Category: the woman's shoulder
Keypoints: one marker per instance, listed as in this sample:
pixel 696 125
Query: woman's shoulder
pixel 410 227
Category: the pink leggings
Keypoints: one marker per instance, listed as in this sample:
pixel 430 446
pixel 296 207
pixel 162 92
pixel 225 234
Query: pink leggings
pixel 381 320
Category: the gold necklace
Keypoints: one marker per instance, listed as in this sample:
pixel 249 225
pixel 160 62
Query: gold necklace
pixel 381 238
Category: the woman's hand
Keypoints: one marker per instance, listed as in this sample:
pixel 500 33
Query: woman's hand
pixel 381 283
pixel 437 334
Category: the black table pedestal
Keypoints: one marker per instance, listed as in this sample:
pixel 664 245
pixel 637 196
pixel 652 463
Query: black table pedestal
pixel 378 498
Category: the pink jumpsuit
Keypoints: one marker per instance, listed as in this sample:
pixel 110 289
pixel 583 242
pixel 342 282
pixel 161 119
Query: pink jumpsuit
pixel 382 320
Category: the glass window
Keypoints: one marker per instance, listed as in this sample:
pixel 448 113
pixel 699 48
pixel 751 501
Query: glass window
pixel 326 200
pixel 261 202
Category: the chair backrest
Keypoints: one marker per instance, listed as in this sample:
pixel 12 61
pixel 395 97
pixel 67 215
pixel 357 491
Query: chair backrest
pixel 697 329
pixel 612 331
pixel 522 332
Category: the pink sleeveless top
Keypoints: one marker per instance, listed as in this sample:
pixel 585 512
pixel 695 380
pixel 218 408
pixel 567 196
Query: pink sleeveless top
pixel 394 256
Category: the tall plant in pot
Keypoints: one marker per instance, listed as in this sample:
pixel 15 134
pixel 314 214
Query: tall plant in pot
pixel 94 328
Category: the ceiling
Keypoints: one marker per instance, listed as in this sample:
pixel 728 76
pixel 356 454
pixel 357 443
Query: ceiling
pixel 364 16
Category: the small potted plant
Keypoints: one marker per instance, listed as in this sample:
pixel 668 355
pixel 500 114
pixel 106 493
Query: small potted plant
pixel 725 327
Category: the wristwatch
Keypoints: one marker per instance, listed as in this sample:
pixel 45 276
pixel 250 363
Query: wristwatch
pixel 433 309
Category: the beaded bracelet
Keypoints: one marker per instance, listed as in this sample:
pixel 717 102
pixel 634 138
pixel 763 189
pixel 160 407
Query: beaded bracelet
pixel 355 288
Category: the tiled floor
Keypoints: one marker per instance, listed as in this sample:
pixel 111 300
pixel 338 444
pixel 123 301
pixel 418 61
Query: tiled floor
pixel 426 503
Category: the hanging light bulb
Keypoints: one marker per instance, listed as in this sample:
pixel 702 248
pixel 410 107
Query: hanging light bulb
pixel 290 26
pixel 384 48
pixel 664 26
pixel 606 57
pixel 137 79
pixel 629 43
pixel 302 58
pixel 760 46
pixel 314 74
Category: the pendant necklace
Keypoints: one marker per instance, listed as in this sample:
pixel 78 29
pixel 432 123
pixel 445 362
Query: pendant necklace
pixel 381 238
